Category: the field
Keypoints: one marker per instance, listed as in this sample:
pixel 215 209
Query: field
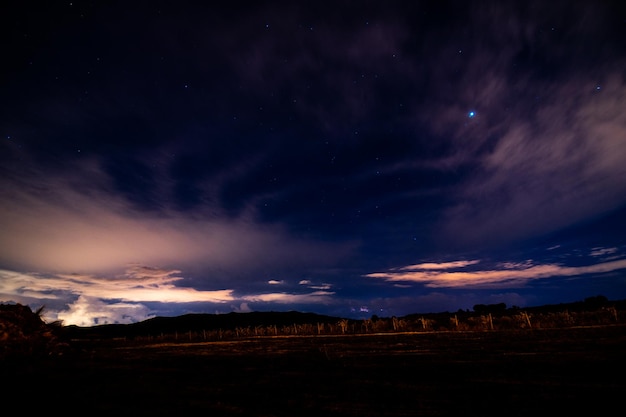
pixel 517 373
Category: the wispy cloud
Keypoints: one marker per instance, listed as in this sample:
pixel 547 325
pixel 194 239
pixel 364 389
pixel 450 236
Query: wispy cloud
pixel 287 298
pixel 563 159
pixel 440 265
pixel 509 275
pixel 309 284
pixel 547 159
pixel 600 251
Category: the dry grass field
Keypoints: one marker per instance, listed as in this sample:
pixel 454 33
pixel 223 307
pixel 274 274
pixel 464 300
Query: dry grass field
pixel 572 371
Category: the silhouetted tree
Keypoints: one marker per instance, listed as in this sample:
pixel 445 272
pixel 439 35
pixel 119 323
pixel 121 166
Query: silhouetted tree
pixel 489 308
pixel 596 302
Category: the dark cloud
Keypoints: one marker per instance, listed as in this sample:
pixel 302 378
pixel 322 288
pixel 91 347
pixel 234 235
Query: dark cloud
pixel 283 153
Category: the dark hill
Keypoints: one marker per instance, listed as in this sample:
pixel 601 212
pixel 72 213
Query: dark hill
pixel 200 322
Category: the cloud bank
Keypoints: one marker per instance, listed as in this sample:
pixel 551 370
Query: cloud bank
pixel 509 275
pixel 87 300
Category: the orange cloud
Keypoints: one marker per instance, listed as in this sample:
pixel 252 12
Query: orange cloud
pixel 440 265
pixel 495 277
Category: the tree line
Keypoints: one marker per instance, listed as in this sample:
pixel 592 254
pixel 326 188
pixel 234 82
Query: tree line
pixel 489 317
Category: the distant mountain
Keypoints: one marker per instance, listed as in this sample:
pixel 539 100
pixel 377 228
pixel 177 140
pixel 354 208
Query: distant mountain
pixel 201 322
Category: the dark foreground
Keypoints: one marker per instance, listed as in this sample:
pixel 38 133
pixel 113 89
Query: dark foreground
pixel 576 371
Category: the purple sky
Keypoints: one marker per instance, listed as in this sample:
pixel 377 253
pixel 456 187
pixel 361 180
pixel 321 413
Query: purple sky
pixel 351 159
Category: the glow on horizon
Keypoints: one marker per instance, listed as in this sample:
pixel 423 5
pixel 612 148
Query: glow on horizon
pixel 95 300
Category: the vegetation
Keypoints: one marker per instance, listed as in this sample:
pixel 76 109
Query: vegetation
pixel 593 311
pixel 24 333
pixel 468 363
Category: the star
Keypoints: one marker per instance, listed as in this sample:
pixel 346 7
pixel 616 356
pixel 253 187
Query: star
pixel 471 114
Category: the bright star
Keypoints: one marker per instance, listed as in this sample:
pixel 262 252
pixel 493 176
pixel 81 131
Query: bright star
pixel 471 114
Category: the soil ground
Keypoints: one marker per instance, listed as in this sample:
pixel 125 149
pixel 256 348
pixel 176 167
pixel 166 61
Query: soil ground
pixel 575 371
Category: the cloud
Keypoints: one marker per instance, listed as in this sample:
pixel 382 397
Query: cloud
pixel 87 300
pixel 150 275
pixel 442 265
pixel 90 311
pixel 510 275
pixel 543 152
pixel 128 287
pixel 315 297
pixel 564 158
pixel 322 287
pixel 600 251
pixel 243 308
pixel 73 226
pixel 62 222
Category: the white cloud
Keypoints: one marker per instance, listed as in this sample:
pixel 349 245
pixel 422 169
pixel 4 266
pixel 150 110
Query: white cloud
pixel 89 311
pixel 243 308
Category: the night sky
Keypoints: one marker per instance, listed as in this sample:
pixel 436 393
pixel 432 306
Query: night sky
pixel 345 158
